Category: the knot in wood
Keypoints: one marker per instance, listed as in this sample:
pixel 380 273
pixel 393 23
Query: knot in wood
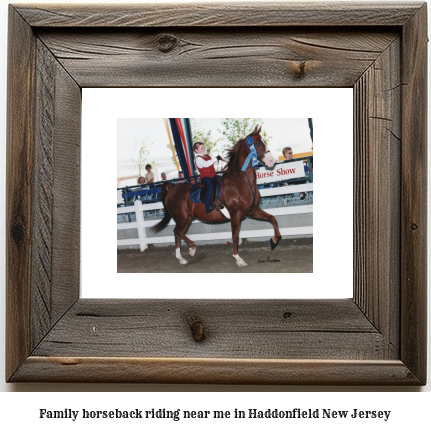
pixel 167 42
pixel 18 233
pixel 300 69
pixel 414 226
pixel 197 328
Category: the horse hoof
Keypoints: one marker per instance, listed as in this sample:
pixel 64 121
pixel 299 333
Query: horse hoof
pixel 192 251
pixel 183 262
pixel 241 262
pixel 272 244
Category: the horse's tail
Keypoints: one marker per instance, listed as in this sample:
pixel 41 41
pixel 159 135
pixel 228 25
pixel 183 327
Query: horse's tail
pixel 167 218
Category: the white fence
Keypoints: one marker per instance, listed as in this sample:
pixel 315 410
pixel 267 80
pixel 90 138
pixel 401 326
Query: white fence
pixel 142 224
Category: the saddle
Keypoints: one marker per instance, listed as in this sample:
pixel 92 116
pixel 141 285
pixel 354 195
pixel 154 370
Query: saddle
pixel 199 191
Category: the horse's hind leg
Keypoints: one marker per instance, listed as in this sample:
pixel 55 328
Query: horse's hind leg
pixel 178 249
pixel 190 243
pixel 179 230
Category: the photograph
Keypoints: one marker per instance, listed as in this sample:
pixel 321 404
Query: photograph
pixel 226 255
pixel 234 192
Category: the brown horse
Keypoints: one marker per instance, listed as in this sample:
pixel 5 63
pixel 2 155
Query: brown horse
pixel 240 197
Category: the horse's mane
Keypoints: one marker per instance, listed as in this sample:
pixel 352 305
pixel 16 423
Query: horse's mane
pixel 232 154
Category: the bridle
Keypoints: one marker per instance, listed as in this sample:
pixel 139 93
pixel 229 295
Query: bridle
pixel 253 153
pixel 255 160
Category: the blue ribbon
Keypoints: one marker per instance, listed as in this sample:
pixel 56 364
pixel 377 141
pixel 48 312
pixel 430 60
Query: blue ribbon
pixel 252 155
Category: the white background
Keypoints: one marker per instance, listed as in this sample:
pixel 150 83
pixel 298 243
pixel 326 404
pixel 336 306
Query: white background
pixel 410 409
pixel 332 113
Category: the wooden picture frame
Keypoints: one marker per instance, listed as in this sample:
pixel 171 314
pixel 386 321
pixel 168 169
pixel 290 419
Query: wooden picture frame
pixel 378 337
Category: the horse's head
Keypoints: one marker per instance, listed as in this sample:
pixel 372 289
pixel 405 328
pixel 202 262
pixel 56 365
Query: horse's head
pixel 263 154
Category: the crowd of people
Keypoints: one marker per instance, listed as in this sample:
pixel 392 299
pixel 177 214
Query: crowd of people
pixel 148 177
pixel 205 165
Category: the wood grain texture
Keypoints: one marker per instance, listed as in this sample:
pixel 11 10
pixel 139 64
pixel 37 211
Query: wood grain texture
pixel 67 194
pixel 44 195
pixel 268 329
pixel 414 170
pixel 377 183
pixel 19 200
pixel 378 338
pixel 56 194
pixel 215 371
pixel 220 15
pixel 210 57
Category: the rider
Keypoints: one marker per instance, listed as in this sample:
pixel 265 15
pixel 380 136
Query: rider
pixel 205 165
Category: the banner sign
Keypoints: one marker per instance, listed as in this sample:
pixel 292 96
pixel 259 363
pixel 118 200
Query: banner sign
pixel 280 172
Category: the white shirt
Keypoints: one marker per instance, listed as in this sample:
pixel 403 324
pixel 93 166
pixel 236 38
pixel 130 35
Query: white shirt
pixel 149 176
pixel 201 163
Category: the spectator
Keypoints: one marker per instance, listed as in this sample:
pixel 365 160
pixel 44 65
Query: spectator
pixel 288 155
pixel 181 176
pixel 141 181
pixel 149 176
pixel 163 175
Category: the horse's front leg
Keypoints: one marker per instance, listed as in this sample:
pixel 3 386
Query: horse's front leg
pixel 262 215
pixel 235 224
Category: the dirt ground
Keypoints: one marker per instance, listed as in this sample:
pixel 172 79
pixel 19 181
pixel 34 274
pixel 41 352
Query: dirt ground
pixel 289 256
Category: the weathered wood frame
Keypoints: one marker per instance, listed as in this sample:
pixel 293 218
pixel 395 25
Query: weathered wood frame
pixel 379 50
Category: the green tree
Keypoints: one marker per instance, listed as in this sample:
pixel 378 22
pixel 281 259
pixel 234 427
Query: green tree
pixel 140 156
pixel 235 129
pixel 200 135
